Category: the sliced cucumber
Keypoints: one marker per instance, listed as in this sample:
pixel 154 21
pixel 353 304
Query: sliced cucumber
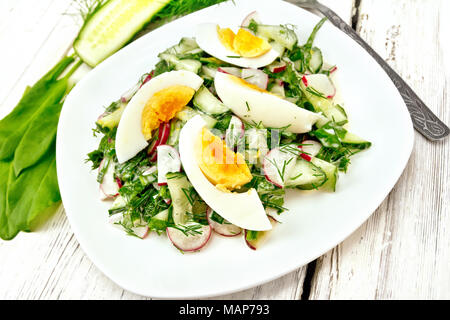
pixel 284 36
pixel 159 221
pixel 179 186
pixel 316 61
pixel 330 170
pixel 355 142
pixel 332 111
pixel 208 72
pixel 306 176
pixel 187 113
pixel 175 129
pixel 185 45
pixel 112 26
pixel 119 205
pixel 112 120
pixel 181 64
pixel 207 102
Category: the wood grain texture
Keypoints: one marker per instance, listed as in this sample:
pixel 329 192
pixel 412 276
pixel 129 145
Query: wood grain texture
pixel 401 252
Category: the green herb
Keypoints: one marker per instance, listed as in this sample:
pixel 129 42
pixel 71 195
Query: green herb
pixel 175 9
pixel 234 57
pixel 248 107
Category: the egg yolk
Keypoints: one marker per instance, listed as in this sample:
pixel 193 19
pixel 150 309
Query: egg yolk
pixel 244 42
pixel 163 106
pixel 223 168
pixel 226 37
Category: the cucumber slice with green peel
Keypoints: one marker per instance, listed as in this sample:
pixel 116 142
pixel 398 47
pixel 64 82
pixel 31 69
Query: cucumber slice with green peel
pixel 112 120
pixel 181 64
pixel 284 36
pixel 354 141
pixel 316 61
pixel 207 102
pixel 185 45
pixel 330 170
pixel 178 186
pixel 306 176
pixel 112 26
pixel 332 111
pixel 187 113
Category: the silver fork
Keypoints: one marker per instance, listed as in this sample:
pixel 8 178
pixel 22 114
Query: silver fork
pixel 424 120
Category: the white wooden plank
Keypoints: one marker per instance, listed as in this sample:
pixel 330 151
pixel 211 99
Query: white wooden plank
pixel 401 251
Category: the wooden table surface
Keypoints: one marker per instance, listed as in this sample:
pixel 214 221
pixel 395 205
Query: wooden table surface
pixel 401 252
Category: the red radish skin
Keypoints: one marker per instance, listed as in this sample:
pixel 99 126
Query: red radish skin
pixel 311 147
pixel 271 172
pixel 147 78
pixel 305 81
pixel 141 232
pixel 321 83
pixel 226 230
pixel 189 243
pixel 277 67
pixel 252 15
pixel 163 136
pixel 306 157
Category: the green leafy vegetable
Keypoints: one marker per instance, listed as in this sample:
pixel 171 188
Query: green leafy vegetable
pixel 26 201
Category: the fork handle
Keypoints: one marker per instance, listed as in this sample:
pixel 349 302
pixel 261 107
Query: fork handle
pixel 424 120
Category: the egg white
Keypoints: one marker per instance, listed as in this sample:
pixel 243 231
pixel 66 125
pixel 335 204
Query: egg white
pixel 242 209
pixel 208 39
pixel 129 138
pixel 255 106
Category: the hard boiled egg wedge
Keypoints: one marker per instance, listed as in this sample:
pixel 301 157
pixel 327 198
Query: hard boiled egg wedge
pixel 219 43
pixel 155 102
pixel 242 209
pixel 254 104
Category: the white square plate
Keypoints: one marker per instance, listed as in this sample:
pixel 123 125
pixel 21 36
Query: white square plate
pixel 316 221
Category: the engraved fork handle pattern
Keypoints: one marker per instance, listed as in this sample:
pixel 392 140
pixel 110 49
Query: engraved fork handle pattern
pixel 424 120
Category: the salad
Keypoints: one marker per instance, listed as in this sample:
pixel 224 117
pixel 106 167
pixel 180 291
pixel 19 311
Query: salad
pixel 210 139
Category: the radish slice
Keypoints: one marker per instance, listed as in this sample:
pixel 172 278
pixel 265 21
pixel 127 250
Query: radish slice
pixel 277 66
pixel 191 242
pixel 278 165
pixel 147 78
pixel 311 147
pixel 231 70
pixel 141 231
pixel 330 68
pixel 225 229
pixel 127 95
pixel 251 16
pixel 168 161
pixel 163 136
pixel 109 187
pixel 257 77
pixel 235 132
pixel 320 83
